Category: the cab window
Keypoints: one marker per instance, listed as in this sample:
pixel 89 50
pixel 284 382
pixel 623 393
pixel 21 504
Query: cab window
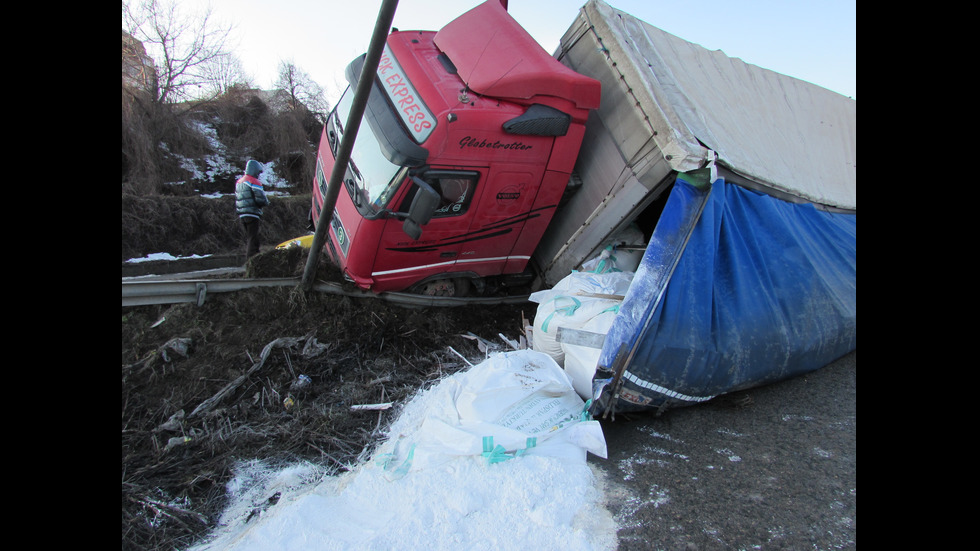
pixel 456 189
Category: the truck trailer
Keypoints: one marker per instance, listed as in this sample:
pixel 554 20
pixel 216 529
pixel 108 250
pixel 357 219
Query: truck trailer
pixel 488 164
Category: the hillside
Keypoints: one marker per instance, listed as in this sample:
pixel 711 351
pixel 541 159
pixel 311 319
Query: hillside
pixel 180 165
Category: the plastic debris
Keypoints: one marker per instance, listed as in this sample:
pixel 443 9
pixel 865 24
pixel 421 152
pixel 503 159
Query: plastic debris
pixel 301 383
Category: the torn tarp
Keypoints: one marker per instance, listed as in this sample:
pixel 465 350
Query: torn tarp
pixel 736 289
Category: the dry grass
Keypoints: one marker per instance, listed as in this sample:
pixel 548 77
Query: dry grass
pixel 185 226
pixel 157 138
pixel 355 351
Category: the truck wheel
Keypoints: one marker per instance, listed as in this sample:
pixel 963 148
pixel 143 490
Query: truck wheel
pixel 454 287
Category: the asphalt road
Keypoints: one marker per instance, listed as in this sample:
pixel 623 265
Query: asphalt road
pixel 773 467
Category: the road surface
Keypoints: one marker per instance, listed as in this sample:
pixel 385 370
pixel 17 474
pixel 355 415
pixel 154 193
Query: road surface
pixel 773 467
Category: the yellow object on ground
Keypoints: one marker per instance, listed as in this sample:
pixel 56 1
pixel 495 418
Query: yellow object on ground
pixel 306 242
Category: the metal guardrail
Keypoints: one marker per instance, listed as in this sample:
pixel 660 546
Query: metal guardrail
pixel 174 291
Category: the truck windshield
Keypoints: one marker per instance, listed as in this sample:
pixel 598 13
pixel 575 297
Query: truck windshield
pixel 371 178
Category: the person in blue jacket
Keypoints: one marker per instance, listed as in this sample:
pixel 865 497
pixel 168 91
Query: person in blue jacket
pixel 249 200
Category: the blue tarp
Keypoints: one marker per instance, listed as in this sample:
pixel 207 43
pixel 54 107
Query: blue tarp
pixel 736 289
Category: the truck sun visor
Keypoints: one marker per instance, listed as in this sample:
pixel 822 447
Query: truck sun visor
pixel 539 120
pixel 396 144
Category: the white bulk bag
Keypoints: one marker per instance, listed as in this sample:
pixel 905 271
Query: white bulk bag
pixel 621 253
pixel 572 302
pixel 581 361
pixel 511 404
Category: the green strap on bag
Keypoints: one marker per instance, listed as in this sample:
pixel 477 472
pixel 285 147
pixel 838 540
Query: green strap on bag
pixel 496 454
pixel 401 470
pixel 564 310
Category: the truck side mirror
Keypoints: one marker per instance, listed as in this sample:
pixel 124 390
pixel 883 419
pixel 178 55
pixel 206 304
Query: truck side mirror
pixel 424 205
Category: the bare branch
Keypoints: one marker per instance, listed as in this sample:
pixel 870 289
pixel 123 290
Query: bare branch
pixel 182 46
pixel 301 91
pixel 224 72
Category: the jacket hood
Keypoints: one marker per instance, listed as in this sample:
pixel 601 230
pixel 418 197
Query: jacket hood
pixel 253 168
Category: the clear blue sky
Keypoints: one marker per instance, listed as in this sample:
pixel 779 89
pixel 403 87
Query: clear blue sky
pixel 813 40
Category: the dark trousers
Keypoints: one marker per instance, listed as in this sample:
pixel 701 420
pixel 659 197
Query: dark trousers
pixel 251 225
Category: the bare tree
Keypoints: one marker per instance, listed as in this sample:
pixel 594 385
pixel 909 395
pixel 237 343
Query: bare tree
pixel 300 90
pixel 224 72
pixel 181 46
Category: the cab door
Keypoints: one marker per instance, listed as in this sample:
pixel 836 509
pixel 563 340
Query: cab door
pixel 405 261
pixel 505 206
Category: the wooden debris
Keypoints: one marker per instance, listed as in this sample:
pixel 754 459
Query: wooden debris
pixel 312 348
pixel 282 342
pixel 600 295
pixel 178 345
pixel 372 407
pixel 453 350
pixel 484 345
pixel 176 441
pixel 160 508
pixel 175 422
pixel 510 342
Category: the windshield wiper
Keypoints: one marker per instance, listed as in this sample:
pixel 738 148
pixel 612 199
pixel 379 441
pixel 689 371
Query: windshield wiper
pixel 357 173
pixel 354 190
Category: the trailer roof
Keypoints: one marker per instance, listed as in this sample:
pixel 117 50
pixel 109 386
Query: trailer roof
pixel 496 57
pixel 781 132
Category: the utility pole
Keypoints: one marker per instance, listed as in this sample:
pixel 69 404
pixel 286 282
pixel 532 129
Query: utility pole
pixel 385 16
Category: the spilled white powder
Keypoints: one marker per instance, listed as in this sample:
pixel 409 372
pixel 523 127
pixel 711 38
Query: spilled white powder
pixel 460 502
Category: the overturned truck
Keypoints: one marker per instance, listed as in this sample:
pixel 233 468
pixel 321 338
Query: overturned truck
pixel 731 187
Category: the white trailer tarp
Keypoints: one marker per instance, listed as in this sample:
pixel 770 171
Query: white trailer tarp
pixel 778 131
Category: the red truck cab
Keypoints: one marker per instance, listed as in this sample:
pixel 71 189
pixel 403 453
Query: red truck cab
pixel 476 118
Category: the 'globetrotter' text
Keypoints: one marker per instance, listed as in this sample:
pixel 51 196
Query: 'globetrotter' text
pixel 470 141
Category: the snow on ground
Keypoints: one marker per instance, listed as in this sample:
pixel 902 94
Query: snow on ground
pixel 218 163
pixel 162 256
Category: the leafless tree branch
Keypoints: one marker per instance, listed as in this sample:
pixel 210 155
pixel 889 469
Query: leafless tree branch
pixel 182 46
pixel 300 90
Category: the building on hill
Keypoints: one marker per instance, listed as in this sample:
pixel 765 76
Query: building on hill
pixel 138 68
